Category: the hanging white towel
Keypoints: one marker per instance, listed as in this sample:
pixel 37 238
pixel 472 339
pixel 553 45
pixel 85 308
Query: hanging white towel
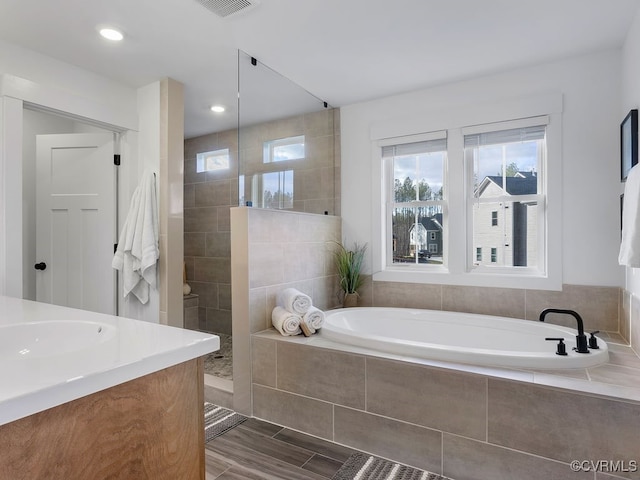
pixel 294 300
pixel 630 245
pixel 137 253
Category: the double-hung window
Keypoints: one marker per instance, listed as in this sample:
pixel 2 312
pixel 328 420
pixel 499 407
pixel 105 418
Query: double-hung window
pixel 416 206
pixel 469 205
pixel 506 200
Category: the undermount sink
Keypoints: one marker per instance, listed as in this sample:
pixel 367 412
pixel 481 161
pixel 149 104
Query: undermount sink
pixel 49 339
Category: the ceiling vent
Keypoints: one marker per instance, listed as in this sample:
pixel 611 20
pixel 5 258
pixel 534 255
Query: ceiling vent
pixel 227 8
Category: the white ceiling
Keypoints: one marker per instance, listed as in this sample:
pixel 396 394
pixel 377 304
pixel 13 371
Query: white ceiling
pixel 343 51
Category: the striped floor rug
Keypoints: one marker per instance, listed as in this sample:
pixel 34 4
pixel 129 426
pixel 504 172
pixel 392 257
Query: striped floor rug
pixel 361 466
pixel 218 420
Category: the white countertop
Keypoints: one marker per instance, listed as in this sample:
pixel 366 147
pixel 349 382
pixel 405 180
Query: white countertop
pixel 39 371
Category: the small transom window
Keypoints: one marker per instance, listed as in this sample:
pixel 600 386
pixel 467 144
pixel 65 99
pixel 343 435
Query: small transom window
pixel 212 161
pixel 283 149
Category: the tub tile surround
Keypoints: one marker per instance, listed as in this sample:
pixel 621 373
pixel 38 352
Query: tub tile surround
pixel 466 423
pixel 284 249
pixel 428 414
pixel 599 307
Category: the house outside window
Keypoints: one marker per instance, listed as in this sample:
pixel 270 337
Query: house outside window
pixel 505 166
pixel 415 211
pixel 478 254
pixel 494 255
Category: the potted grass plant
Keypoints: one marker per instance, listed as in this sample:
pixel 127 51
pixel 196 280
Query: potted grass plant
pixel 349 265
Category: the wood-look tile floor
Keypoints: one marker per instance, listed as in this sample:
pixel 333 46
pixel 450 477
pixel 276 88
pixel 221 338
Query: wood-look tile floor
pixel 257 450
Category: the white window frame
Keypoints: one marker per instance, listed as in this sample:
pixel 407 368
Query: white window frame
pixel 202 160
pixel 389 201
pixel 270 145
pixel 456 270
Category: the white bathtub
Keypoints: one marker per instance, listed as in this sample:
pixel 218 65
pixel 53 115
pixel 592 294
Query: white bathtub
pixel 458 337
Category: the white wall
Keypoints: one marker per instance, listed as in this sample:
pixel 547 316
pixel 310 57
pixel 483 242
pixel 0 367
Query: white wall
pixel 92 95
pixel 590 86
pixel 44 81
pixel 631 99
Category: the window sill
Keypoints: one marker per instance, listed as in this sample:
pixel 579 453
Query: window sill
pixel 442 276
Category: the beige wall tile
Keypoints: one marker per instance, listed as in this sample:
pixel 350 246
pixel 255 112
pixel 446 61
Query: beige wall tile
pixel 416 446
pixel 207 293
pixel 320 123
pixel 503 302
pixel 271 226
pixel 319 152
pixel 409 295
pixel 219 321
pixel 213 193
pixel 303 261
pixel 194 244
pixel 465 459
pixel 319 229
pixel 300 413
pixel 598 306
pixel 224 296
pixel 287 127
pixel 324 374
pixel 218 244
pixel 319 206
pixel 325 292
pixel 228 139
pixel 224 219
pixel 625 315
pixel 191 320
pixel 635 323
pixel 203 219
pixel 263 361
pixel 561 425
pixel 189 196
pixel 267 261
pixel 191 175
pixel 259 315
pixel 366 292
pixel 440 399
pixel 216 270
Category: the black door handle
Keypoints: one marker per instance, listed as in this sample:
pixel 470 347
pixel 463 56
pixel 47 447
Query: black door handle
pixel 40 266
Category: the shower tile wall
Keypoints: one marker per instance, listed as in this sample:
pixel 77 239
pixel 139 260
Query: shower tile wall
pixel 207 237
pixel 208 197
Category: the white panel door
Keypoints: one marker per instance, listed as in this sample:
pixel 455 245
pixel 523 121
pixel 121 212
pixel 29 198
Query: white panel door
pixel 75 221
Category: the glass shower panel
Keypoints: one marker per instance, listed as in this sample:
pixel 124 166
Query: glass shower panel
pixel 286 143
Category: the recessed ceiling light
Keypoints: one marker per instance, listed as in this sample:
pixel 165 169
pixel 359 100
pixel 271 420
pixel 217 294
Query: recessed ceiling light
pixel 217 109
pixel 111 34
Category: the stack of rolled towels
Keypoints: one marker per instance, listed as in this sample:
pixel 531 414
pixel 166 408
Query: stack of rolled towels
pixel 295 314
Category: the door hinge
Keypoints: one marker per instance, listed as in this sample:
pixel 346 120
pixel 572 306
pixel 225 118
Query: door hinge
pixel 116 159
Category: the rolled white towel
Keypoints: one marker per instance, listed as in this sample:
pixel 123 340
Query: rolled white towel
pixel 285 322
pixel 314 317
pixel 294 300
